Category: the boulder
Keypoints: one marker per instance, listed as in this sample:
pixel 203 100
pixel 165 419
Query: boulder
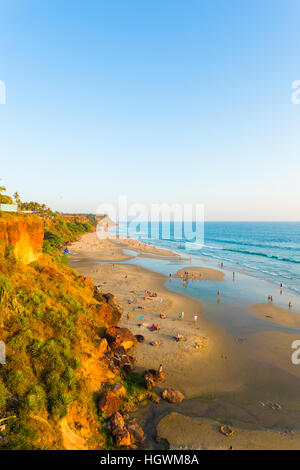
pixel 123 437
pixel 172 396
pixel 102 346
pixel 109 404
pixel 153 397
pixel 116 422
pixel 119 390
pixel 140 338
pixel 136 433
pixel 110 299
pixel 128 367
pixel 117 337
pixel 152 376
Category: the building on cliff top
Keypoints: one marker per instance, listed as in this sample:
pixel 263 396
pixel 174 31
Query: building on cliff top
pixel 9 207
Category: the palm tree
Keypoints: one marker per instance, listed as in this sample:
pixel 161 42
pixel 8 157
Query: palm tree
pixel 17 198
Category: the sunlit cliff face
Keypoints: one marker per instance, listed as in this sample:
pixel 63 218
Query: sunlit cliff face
pixel 25 234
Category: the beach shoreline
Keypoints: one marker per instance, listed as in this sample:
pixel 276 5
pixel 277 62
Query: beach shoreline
pixel 208 362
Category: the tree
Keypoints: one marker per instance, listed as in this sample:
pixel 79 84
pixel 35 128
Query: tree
pixel 17 198
pixel 3 198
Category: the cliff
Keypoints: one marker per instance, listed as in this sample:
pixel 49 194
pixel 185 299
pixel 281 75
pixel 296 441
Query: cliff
pixel 58 362
pixel 25 233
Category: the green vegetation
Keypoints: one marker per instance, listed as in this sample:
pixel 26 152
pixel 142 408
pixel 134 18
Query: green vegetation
pixel 47 320
pixel 4 199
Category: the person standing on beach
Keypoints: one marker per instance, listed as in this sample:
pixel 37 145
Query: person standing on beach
pixel 160 369
pixel 195 319
pixel 233 275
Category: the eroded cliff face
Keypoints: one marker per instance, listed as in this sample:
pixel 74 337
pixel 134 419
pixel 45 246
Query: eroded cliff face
pixel 25 233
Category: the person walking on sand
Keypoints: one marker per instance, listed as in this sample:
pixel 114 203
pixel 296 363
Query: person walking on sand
pixel 195 318
pixel 160 369
pixel 290 305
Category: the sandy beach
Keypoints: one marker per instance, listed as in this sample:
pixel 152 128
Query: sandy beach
pixel 208 363
pixel 280 316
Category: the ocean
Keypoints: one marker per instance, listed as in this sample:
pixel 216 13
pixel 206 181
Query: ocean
pixel 267 250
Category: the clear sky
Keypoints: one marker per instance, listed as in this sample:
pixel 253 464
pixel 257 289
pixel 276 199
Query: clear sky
pixel 159 100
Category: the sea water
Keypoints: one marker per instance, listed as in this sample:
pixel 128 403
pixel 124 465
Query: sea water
pixel 267 250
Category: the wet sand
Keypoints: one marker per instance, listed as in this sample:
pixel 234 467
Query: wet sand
pixel 183 432
pixel 280 316
pixel 201 274
pixel 247 374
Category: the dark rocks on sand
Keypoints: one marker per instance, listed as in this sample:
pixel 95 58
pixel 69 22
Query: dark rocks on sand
pixel 151 377
pixel 116 422
pixel 140 338
pixel 123 437
pixel 117 337
pixel 136 433
pixel 172 396
pixel 109 404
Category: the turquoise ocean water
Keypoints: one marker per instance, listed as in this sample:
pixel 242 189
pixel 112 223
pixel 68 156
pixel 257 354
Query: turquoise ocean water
pixel 267 250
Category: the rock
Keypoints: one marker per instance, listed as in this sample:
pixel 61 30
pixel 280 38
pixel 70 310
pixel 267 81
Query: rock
pixel 102 347
pixel 123 437
pixel 172 396
pixel 117 337
pixel 116 422
pixel 109 404
pixel 226 430
pixel 149 382
pixel 110 299
pixel 136 433
pixel 106 313
pixel 128 367
pixel 158 376
pixel 152 376
pixel 140 338
pixel 119 390
pixel 153 397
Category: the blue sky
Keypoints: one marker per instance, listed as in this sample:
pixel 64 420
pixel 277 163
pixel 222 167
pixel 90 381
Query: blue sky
pixel 162 101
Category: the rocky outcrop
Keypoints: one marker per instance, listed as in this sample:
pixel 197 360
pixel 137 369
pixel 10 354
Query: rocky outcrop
pixel 151 377
pixel 172 396
pixel 116 422
pixel 24 233
pixel 119 390
pixel 109 404
pixel 110 316
pixel 119 358
pixel 137 435
pixel 123 437
pixel 120 337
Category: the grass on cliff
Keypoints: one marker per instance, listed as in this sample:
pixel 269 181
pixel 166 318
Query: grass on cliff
pixel 48 323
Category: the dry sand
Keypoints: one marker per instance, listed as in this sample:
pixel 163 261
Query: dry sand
pixel 111 248
pixel 209 362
